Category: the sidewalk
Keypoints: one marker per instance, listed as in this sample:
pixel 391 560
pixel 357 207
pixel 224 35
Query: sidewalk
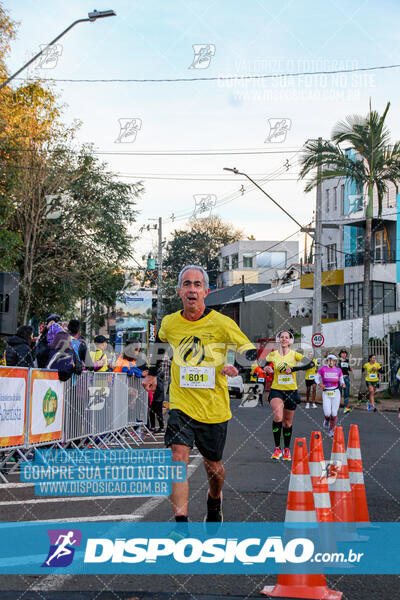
pixel 388 405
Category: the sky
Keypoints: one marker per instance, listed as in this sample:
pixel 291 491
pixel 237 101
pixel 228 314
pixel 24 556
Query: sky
pixel 155 39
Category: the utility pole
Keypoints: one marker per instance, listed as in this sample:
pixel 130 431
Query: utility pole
pixel 159 290
pixel 243 290
pixel 317 298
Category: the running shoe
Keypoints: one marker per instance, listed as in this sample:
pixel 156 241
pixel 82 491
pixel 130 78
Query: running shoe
pixel 286 454
pixel 277 453
pixel 214 510
pixel 369 407
pixel 325 425
pixel 347 410
pixel 308 405
pixel 331 432
pixel 314 405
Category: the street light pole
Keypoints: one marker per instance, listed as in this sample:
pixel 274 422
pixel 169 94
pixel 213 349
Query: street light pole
pixel 317 237
pixel 317 297
pixel 92 16
pixel 159 290
pixel 237 172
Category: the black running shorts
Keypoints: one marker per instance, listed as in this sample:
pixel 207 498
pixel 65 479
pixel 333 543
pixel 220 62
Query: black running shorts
pixel 290 398
pixel 310 382
pixel 209 437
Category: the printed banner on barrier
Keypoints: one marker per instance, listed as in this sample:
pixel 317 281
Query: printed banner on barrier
pixel 198 548
pixel 13 389
pixel 46 407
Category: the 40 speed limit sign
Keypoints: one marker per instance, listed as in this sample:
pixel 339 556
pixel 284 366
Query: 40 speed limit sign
pixel 317 340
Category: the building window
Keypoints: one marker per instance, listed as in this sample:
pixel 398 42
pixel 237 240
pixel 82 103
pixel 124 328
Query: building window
pixel 342 198
pixel 327 200
pixel 383 298
pixel 276 260
pixel 225 263
pixel 235 261
pixel 248 261
pixel 353 293
pixel 331 254
pixel 335 198
pixel 379 252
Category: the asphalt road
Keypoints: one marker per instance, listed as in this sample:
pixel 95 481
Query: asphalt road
pixel 255 490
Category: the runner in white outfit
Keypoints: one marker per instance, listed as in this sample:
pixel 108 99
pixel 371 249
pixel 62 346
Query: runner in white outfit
pixel 328 379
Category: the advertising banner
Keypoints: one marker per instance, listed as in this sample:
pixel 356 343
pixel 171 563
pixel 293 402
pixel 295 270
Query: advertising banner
pixel 134 311
pixel 13 386
pixel 46 407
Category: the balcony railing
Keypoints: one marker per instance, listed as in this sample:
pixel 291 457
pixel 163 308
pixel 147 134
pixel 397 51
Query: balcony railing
pixel 377 257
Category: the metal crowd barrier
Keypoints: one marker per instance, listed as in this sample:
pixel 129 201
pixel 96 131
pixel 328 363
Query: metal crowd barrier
pixel 98 410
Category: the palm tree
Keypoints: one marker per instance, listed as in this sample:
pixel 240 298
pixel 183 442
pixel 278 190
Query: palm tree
pixel 375 164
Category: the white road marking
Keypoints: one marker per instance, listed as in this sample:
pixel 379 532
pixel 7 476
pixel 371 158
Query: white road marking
pixel 58 582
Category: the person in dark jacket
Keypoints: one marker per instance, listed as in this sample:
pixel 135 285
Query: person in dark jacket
pixel 62 357
pixel 19 348
pixel 43 344
pixel 156 405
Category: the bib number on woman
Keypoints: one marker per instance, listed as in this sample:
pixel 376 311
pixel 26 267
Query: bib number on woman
pixel 373 376
pixel 197 377
pixel 285 379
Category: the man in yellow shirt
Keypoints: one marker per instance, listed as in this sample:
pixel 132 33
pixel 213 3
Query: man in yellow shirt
pixel 199 398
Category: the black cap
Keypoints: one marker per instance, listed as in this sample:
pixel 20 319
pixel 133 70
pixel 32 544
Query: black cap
pixel 99 339
pixel 53 317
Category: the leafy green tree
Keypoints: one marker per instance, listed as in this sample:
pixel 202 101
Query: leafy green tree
pixel 375 165
pixel 198 244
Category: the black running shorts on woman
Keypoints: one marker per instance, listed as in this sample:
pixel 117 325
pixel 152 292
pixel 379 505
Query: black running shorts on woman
pixel 291 398
pixel 209 437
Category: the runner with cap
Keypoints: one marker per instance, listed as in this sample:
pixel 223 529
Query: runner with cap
pixel 329 379
pixel 284 396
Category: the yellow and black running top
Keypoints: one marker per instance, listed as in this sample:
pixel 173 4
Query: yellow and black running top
pixel 199 354
pixel 281 380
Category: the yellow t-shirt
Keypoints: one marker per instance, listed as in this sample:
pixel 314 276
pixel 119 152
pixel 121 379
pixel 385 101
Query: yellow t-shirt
pixel 281 380
pixel 371 376
pixel 96 355
pixel 311 373
pixel 199 353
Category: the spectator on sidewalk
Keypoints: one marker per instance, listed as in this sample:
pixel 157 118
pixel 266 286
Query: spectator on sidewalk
pixel 19 352
pixel 99 356
pixel 62 356
pixel 156 405
pixel 165 367
pixel 126 362
pixel 43 344
pixel 79 345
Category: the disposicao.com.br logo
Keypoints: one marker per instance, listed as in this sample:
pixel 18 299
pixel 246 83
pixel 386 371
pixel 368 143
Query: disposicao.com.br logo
pixel 191 550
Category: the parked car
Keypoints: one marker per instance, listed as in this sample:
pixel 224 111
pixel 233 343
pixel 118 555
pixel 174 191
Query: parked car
pixel 235 386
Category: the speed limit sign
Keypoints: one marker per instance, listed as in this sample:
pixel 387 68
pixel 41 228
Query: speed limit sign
pixel 317 340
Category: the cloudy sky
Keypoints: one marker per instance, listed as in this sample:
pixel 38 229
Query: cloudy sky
pixel 137 125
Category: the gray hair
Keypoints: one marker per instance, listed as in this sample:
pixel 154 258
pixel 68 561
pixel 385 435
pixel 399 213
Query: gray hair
pixel 194 268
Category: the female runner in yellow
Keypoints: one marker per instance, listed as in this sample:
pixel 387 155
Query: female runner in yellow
pixel 284 396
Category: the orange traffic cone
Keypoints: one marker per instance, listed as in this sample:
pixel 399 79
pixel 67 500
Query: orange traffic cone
pixel 340 490
pixel 338 481
pixel 356 476
pixel 319 479
pixel 301 509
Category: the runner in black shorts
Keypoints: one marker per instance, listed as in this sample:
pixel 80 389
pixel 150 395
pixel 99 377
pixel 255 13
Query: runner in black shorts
pixel 284 395
pixel 199 398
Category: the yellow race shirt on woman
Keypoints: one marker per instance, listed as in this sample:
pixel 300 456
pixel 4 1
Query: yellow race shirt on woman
pixel 311 373
pixel 372 375
pixel 281 380
pixel 197 387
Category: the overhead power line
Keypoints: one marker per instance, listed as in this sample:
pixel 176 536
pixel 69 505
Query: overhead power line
pixel 218 78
